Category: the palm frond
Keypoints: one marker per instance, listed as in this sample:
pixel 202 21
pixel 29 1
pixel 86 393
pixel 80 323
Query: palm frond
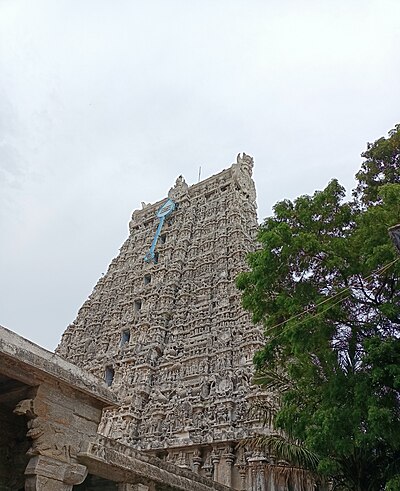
pixel 290 453
pixel 264 410
pixel 272 380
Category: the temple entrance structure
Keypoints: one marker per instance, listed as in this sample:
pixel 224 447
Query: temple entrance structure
pixel 164 327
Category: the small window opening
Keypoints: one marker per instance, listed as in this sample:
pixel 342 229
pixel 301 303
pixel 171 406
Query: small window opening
pixel 109 375
pixel 147 279
pixel 163 238
pixel 137 305
pixel 125 336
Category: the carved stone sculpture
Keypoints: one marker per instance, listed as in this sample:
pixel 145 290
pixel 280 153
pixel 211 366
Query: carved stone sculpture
pixel 170 336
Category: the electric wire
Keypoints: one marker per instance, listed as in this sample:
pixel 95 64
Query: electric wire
pixel 377 272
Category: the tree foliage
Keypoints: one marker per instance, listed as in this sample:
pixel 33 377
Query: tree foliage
pixel 381 165
pixel 325 284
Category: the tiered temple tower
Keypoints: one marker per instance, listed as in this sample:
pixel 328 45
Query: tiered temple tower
pixel 165 328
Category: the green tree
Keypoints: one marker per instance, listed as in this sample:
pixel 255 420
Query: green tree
pixel 325 284
pixel 381 165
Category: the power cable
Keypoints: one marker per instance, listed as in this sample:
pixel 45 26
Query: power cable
pixel 378 272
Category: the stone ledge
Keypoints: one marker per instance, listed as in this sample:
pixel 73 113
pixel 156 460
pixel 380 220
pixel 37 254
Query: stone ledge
pixel 46 364
pixel 120 462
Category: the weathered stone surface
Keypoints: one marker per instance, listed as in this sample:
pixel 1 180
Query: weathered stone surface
pixel 172 337
pixel 47 467
pixel 39 483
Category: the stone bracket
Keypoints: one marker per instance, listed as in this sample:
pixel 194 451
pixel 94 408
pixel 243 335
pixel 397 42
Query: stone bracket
pixel 65 472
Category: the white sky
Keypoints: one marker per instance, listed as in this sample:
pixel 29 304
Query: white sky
pixel 104 103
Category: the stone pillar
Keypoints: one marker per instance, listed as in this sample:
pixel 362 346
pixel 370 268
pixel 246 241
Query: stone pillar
pixel 215 458
pixel 226 472
pixel 48 474
pixel 257 468
pixel 242 468
pixel 208 468
pixel 197 461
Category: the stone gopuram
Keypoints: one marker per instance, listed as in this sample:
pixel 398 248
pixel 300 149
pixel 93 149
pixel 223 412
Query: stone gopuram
pixel 165 328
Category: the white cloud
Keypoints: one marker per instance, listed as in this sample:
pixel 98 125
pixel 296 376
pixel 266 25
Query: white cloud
pixel 104 104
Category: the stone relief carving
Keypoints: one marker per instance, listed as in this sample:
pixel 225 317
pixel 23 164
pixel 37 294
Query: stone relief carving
pixel 180 190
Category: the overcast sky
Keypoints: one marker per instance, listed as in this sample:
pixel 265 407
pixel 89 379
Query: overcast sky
pixel 104 103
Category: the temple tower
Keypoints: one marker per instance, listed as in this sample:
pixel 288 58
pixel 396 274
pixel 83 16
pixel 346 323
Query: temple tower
pixel 165 328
